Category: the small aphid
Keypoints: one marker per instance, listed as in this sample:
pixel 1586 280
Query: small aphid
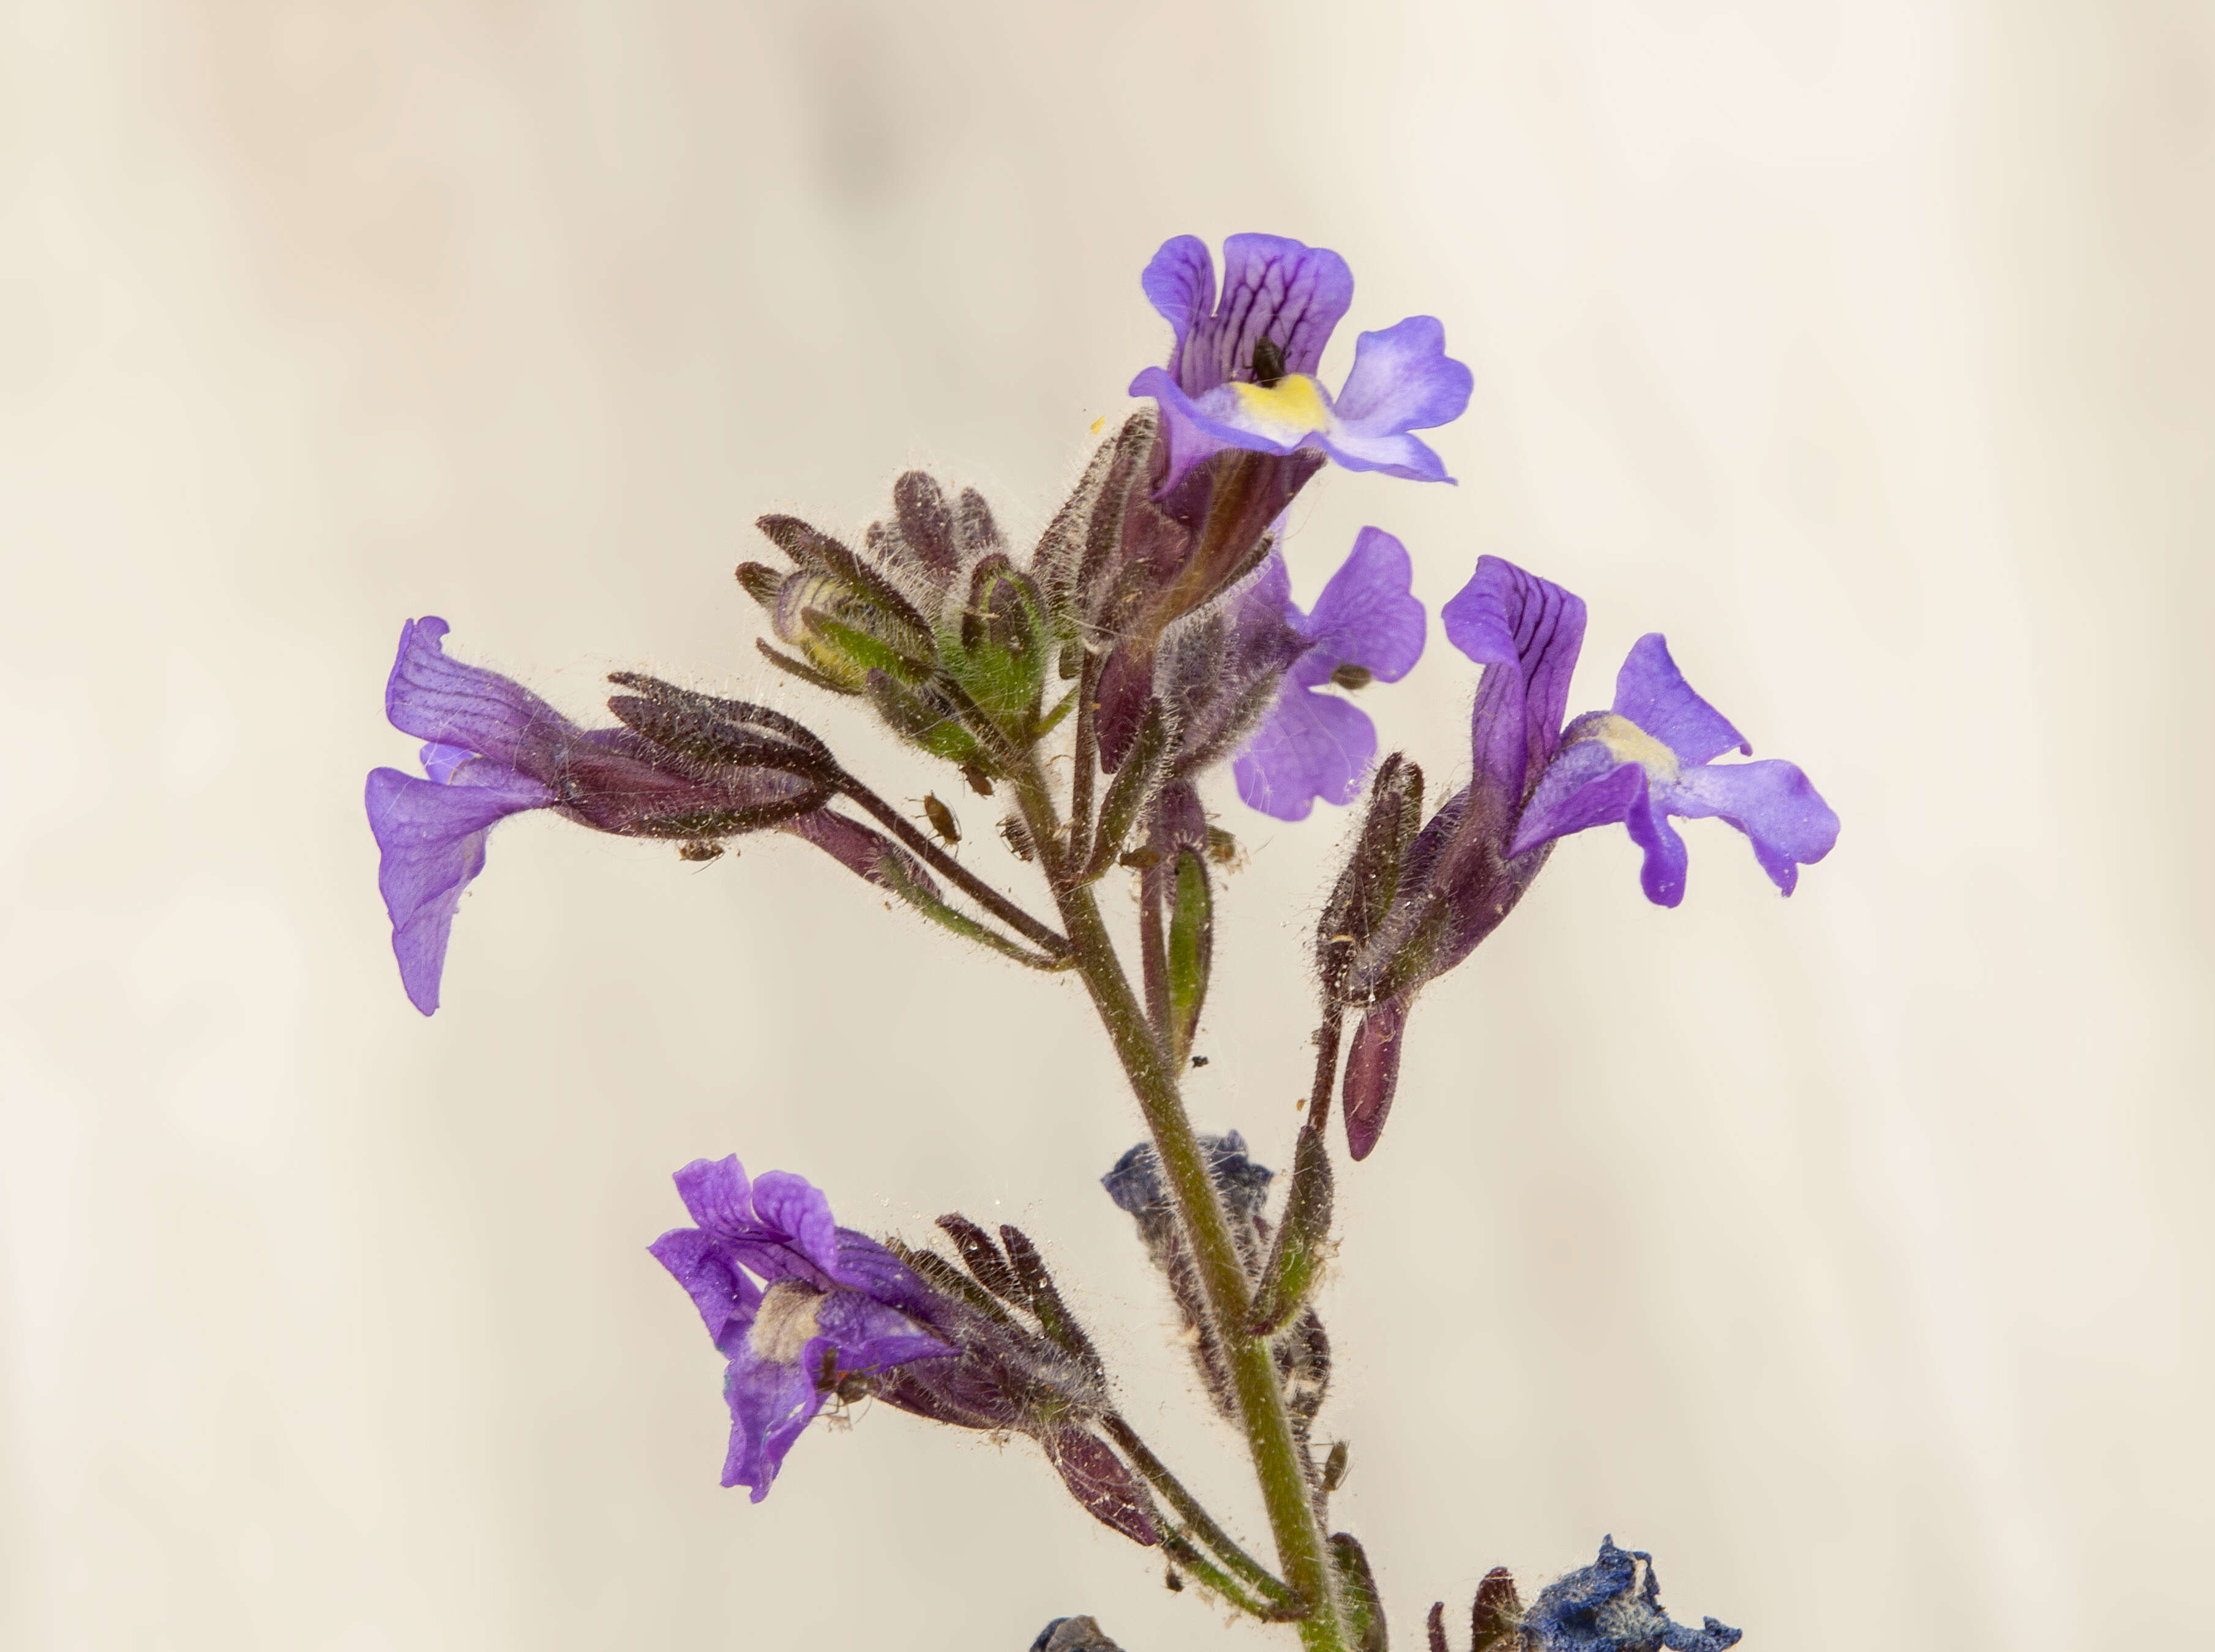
pixel 1200 1061
pixel 1223 849
pixel 1268 361
pixel 979 781
pixel 941 819
pixel 1351 676
pixel 1139 859
pixel 1175 1583
pixel 1018 838
pixel 1334 1467
pixel 700 849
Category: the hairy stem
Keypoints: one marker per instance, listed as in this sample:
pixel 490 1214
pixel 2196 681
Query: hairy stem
pixel 1326 1073
pixel 970 884
pixel 1276 1452
pixel 1189 1509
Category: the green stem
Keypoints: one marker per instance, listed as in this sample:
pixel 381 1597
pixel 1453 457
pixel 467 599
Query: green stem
pixel 1189 1508
pixel 1269 1439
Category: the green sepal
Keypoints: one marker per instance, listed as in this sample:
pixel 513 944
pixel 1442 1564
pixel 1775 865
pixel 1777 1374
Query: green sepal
pixel 916 720
pixel 851 647
pixel 1133 784
pixel 902 883
pixel 1302 1241
pixel 1191 950
pixel 1052 721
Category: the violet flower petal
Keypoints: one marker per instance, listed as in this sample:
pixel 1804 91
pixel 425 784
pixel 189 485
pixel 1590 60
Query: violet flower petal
pixel 431 843
pixel 772 1403
pixel 1402 380
pixel 1586 786
pixel 1310 745
pixel 1652 693
pixel 450 704
pixel 725 1295
pixel 1661 874
pixel 1527 632
pixel 794 1213
pixel 1772 802
pixel 719 1197
pixel 1367 614
pixel 1273 286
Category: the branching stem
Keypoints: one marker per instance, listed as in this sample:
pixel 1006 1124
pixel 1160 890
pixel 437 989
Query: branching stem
pixel 972 885
pixel 1276 1452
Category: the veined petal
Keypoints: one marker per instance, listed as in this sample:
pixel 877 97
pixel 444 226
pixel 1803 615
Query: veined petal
pixel 1403 379
pixel 1367 614
pixel 1527 633
pixel 1311 745
pixel 431 843
pixel 1393 455
pixel 1273 287
pixel 450 704
pixel 1651 692
pixel 725 1295
pixel 794 1213
pixel 719 1197
pixel 1179 282
pixel 1772 802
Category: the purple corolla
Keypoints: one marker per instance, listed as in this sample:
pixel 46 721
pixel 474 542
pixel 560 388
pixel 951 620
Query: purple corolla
pixel 1534 782
pixel 1652 755
pixel 830 1303
pixel 1241 372
pixel 497 749
pixel 1614 1605
pixel 1366 626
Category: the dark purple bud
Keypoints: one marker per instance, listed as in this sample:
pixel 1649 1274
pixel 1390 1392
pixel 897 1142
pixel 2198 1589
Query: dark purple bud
pixel 1356 1584
pixel 925 522
pixel 1373 1074
pixel 1497 1611
pixel 1075 1635
pixel 974 530
pixel 1105 1489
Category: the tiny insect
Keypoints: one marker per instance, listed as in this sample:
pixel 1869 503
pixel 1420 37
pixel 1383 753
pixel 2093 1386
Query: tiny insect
pixel 942 818
pixel 700 849
pixel 1200 1061
pixel 1175 1583
pixel 1139 859
pixel 1018 840
pixel 979 781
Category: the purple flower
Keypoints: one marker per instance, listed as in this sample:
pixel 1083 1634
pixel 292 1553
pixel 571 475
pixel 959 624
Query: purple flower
pixel 1241 372
pixel 1366 626
pixel 831 1303
pixel 1614 1606
pixel 497 749
pixel 1533 782
pixel 1652 757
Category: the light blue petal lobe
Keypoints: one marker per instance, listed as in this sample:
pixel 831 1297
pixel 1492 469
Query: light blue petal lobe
pixel 1652 693
pixel 1367 614
pixel 1403 455
pixel 1403 379
pixel 1310 745
pixel 1179 282
pixel 1772 802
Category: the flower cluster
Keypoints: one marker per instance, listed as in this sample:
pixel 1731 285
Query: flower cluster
pixel 1089 685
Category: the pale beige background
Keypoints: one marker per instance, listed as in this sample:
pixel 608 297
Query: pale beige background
pixel 1851 1253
